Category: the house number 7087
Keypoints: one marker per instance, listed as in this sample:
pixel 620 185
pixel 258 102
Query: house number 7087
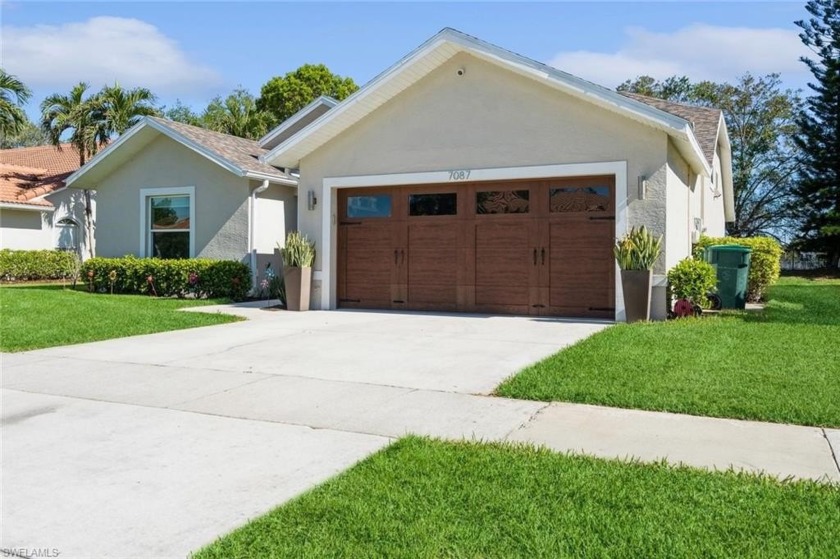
pixel 459 175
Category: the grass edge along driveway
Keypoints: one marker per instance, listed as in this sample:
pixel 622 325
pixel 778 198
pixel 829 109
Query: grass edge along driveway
pixel 781 365
pixel 427 498
pixel 41 316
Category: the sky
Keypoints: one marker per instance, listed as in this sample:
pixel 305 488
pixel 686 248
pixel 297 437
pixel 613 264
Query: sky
pixel 193 51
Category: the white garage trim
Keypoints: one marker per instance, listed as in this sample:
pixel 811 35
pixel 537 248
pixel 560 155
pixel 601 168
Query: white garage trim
pixel 329 252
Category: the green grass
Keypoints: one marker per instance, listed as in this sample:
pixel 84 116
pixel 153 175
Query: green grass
pixel 420 498
pixel 35 317
pixel 781 365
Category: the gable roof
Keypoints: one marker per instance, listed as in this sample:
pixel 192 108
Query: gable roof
pixel 705 121
pixel 443 46
pixel 297 121
pixel 28 174
pixel 239 156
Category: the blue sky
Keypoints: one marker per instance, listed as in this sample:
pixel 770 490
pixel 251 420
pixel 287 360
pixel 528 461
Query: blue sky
pixel 195 50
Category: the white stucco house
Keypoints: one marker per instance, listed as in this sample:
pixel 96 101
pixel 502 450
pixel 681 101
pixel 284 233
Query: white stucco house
pixel 464 178
pixel 37 210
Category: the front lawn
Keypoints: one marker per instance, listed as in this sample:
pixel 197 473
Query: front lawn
pixel 423 498
pixel 782 365
pixel 35 317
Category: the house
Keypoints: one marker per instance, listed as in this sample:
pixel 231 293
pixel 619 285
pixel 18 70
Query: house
pixel 37 210
pixel 171 190
pixel 463 178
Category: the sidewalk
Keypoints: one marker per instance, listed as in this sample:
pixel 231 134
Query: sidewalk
pixel 779 450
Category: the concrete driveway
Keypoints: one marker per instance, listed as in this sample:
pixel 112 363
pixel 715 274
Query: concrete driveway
pixel 152 446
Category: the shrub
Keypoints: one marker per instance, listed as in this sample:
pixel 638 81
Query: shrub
pixel 200 277
pixel 23 265
pixel 692 279
pixel 765 260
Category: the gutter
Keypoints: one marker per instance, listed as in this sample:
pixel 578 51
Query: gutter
pixel 252 228
pixel 28 207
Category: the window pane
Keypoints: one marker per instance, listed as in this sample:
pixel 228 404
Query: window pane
pixel 433 204
pixel 171 245
pixel 170 212
pixel 502 202
pixel 377 205
pixel 580 199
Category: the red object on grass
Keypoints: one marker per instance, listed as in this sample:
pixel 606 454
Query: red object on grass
pixel 683 308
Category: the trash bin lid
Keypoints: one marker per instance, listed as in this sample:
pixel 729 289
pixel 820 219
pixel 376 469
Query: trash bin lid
pixel 730 248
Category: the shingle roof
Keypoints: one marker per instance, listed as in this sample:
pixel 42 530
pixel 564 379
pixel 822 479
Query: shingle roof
pixel 704 120
pixel 28 173
pixel 241 152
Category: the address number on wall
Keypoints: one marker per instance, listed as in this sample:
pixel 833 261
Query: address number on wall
pixel 459 175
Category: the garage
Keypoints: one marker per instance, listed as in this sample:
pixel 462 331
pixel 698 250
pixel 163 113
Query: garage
pixel 532 247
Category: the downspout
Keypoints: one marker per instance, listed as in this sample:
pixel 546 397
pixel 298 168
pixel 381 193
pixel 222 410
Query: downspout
pixel 252 229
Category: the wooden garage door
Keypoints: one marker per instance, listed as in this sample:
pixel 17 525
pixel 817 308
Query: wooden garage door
pixel 540 247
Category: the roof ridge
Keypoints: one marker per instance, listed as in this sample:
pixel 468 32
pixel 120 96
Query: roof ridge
pixel 669 102
pixel 167 122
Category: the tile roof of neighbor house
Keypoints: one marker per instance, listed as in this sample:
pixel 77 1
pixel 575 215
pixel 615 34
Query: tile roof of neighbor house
pixel 704 120
pixel 29 173
pixel 241 152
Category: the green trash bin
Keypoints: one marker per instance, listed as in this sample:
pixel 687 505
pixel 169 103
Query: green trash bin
pixel 732 263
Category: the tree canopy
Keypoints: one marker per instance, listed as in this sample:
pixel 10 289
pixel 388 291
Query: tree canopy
pixel 761 118
pixel 29 135
pixel 817 195
pixel 236 114
pixel 283 96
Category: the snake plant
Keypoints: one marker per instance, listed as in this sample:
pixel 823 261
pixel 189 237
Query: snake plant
pixel 299 251
pixel 638 249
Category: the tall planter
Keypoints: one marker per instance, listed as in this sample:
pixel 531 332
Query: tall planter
pixel 636 286
pixel 298 284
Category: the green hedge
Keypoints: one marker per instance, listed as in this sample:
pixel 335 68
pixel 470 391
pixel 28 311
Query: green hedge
pixel 199 277
pixel 765 261
pixel 24 265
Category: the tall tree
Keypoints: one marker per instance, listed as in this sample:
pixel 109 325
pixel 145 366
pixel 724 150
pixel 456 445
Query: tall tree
pixel 122 108
pixel 237 114
pixel 283 96
pixel 818 191
pixel 13 95
pixel 79 114
pixel 761 119
pixel 83 117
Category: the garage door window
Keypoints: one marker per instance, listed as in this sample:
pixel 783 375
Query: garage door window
pixel 502 202
pixel 580 199
pixel 433 204
pixel 378 205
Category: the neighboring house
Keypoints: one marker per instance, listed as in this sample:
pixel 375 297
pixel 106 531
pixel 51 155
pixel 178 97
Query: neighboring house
pixel 464 178
pixel 37 210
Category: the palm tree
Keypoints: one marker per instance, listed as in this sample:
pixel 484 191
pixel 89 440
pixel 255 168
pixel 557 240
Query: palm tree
pixel 13 94
pixel 123 108
pixel 236 115
pixel 82 115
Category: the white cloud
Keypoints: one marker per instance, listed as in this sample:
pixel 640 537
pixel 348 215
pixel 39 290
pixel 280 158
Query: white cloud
pixel 698 51
pixel 102 50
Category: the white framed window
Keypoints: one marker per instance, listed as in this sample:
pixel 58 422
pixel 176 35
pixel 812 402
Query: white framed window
pixel 66 234
pixel 167 222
